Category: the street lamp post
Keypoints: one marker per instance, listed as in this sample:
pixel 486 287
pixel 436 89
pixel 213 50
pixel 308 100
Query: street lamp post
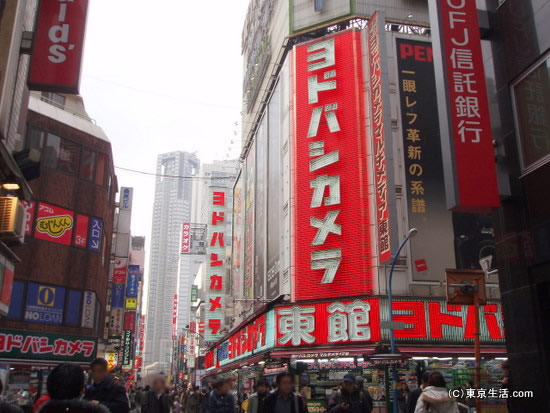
pixel 411 234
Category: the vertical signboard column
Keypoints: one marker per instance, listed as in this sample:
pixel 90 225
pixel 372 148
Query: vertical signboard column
pixel 331 240
pixel 250 194
pixel 466 137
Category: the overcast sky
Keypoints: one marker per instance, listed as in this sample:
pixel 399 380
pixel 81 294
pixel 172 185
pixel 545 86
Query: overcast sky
pixel 163 76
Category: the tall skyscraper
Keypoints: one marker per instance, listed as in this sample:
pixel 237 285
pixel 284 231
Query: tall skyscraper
pixel 172 207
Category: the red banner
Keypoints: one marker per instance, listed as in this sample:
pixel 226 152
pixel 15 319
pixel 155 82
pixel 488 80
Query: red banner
pixel 175 316
pixel 331 232
pixel 54 224
pixel 120 270
pixel 58 42
pixel 472 152
pixel 186 238
pixel 130 321
pixel 81 231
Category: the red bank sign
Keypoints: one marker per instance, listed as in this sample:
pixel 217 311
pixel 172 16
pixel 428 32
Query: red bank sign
pixel 57 46
pixel 467 142
pixel 330 214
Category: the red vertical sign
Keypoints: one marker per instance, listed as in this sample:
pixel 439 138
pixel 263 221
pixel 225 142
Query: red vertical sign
pixel 175 316
pixel 471 143
pixel 331 239
pixel 57 46
pixel 81 231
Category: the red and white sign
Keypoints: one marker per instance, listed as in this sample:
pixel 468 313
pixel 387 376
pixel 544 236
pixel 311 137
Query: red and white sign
pixel 57 46
pixel 379 137
pixel 29 216
pixel 81 231
pixel 130 321
pixel 186 238
pixel 175 316
pixel 331 231
pixel 472 153
pixel 54 224
pixel 141 334
pixel 120 270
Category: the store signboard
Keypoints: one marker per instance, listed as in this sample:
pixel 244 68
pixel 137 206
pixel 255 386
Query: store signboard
pixel 132 282
pixel 81 231
pixel 249 221
pixel 126 195
pixel 186 238
pixel 194 293
pixel 33 345
pixel 130 304
pixel 175 316
pixel 237 253
pixel 466 136
pixel 130 320
pixel 88 310
pixel 29 216
pixel 117 296
pixel 54 224
pixel 96 234
pixel 127 349
pixel 117 321
pixel 111 357
pixel 45 304
pixel 119 271
pixel 331 232
pixel 58 43
pixel 216 264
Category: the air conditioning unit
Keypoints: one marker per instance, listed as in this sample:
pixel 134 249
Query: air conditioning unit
pixel 12 220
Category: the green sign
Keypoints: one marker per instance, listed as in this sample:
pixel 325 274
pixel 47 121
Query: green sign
pixel 194 293
pixel 34 345
pixel 317 406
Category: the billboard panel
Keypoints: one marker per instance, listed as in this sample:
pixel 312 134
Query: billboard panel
pixel 260 213
pixel 132 282
pixel 119 270
pixel 331 231
pixel 29 216
pixel 54 224
pixel 424 180
pixel 466 135
pixel 58 43
pixel 117 296
pixel 127 348
pixel 250 191
pixel 130 320
pixel 88 310
pixel 126 196
pixel 117 321
pixel 186 238
pixel 81 231
pixel 237 254
pixel 45 304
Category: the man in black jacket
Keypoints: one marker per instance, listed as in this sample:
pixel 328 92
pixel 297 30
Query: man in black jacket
pixel 104 390
pixel 284 400
pixel 349 399
pixel 415 394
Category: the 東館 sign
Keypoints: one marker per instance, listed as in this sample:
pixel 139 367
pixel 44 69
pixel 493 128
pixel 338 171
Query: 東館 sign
pixel 331 231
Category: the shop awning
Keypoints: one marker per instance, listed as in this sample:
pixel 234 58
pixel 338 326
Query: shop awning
pixel 239 364
pixel 321 352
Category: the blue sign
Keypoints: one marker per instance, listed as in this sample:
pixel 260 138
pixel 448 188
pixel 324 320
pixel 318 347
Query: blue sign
pixel 95 235
pixel 117 296
pixel 132 281
pixel 45 304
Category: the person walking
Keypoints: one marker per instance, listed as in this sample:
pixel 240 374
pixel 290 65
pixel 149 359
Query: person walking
pixel 65 386
pixel 221 400
pixel 415 394
pixel 349 399
pixel 256 400
pixel 435 397
pixel 156 400
pixel 402 397
pixel 104 390
pixel 193 400
pixel 360 383
pixel 204 400
pixel 283 399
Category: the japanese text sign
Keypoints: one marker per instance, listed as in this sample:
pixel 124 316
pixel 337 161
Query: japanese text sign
pixel 81 231
pixel 54 224
pixel 15 344
pixel 96 234
pixel 45 304
pixel 186 238
pixel 466 137
pixel 132 281
pixel 331 232
pixel 57 46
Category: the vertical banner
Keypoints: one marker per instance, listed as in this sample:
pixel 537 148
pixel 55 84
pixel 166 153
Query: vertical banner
pixel 466 136
pixel 127 356
pixel 117 296
pixel 88 310
pixel 237 253
pixel 216 268
pixel 250 197
pixel 132 281
pixel 81 231
pixel 260 216
pixel 126 197
pixel 117 321
pixel 331 231
pixel 54 224
pixel 382 147
pixel 424 180
pixel 119 271
pixel 175 316
pixel 29 216
pixel 95 235
pixel 186 238
pixel 58 43
pixel 130 320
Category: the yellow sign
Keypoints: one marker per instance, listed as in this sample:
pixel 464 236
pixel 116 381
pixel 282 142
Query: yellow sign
pixel 54 226
pixel 111 357
pixel 131 303
pixel 46 296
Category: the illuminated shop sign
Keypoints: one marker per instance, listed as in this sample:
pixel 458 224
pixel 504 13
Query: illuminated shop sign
pixel 331 231
pixel 45 304
pixel 186 238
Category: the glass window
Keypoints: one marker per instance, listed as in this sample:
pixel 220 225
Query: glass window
pixel 533 115
pixel 87 167
pixel 35 138
pixel 101 169
pixel 61 155
pixel 54 99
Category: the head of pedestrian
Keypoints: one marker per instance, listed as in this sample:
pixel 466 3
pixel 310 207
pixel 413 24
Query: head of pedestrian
pixel 359 382
pixel 437 379
pixel 65 382
pixel 425 380
pixel 284 383
pixel 262 386
pixel 348 383
pixel 159 384
pixel 222 386
pixel 99 369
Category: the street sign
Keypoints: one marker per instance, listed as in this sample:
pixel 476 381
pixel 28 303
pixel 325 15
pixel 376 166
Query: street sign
pixel 395 325
pixel 462 284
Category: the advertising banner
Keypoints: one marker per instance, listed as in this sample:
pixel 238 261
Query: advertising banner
pixel 237 255
pixel 96 234
pixel 131 304
pixel 250 191
pixel 111 358
pixel 117 321
pixel 45 304
pixel 130 320
pixel 260 216
pixel 6 284
pixel 331 229
pixel 58 43
pixel 382 147
pixel 54 224
pixel 186 238
pixel 466 135
pixel 132 282
pixel 88 310
pixel 424 178
pixel 117 296
pixel 127 349
pixel 31 345
pixel 29 216
pixel 81 231
pixel 119 271
pixel 126 196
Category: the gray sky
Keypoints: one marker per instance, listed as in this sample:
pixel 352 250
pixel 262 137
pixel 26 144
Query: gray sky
pixel 162 76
